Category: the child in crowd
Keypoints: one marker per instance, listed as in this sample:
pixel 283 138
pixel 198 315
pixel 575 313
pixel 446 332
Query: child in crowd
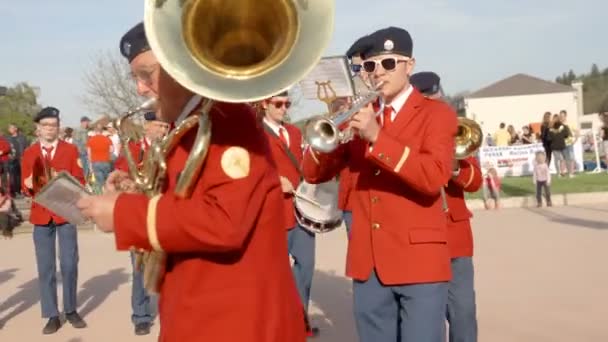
pixel 491 188
pixel 542 179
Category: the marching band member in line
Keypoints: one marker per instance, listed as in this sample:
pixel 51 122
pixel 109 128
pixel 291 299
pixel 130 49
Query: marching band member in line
pixel 142 312
pixel 400 268
pixel 285 144
pixel 345 178
pixel 50 155
pixel 227 276
pixel 466 177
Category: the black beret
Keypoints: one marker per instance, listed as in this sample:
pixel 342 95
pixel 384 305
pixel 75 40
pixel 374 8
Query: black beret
pixel 393 40
pixel 427 82
pixel 85 118
pixel 134 42
pixel 283 93
pixel 358 47
pixel 150 116
pixel 47 112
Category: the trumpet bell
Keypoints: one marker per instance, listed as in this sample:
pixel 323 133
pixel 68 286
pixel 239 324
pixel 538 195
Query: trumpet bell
pixel 322 134
pixel 238 50
pixel 468 138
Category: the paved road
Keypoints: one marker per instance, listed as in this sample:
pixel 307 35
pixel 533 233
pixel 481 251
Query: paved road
pixel 541 276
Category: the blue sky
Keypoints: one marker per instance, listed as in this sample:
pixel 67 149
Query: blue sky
pixel 470 43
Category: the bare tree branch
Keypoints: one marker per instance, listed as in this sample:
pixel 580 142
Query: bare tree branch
pixel 108 89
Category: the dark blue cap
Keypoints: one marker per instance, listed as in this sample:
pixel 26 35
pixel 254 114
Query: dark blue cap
pixel 390 40
pixel 427 82
pixel 134 42
pixel 358 47
pixel 150 116
pixel 47 112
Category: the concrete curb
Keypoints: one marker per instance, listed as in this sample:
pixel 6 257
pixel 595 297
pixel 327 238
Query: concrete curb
pixel 559 200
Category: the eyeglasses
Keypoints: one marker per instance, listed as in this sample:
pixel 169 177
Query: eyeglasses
pixel 279 104
pixel 144 74
pixel 388 63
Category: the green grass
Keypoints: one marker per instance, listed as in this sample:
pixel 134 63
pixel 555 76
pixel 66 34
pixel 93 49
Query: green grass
pixel 522 186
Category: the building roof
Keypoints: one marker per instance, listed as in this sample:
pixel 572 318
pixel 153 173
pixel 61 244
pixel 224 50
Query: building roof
pixel 520 84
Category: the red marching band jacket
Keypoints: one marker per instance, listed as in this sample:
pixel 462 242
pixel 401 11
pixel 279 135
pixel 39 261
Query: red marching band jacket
pixel 66 158
pixel 286 167
pixel 460 236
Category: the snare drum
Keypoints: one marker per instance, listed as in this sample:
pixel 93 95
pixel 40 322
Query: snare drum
pixel 310 216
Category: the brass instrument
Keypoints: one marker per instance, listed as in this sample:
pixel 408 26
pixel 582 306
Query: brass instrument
pixel 325 133
pixel 468 138
pixel 230 51
pixel 238 50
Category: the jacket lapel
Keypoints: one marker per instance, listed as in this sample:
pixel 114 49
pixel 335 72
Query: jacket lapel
pixel 409 110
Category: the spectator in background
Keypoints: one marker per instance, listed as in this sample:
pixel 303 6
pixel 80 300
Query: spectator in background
pixel 5 155
pixel 604 135
pixel 68 134
pixel 527 136
pixel 491 188
pixel 18 143
pixel 99 150
pixel 571 139
pixel 541 177
pixel 502 137
pixel 113 135
pixel 561 156
pixel 513 137
pixel 545 137
pixel 80 139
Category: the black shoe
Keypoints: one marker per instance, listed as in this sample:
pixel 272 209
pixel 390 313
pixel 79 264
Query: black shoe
pixel 75 320
pixel 142 328
pixel 311 332
pixel 51 326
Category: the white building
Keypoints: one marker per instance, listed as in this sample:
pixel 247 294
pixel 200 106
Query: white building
pixel 522 100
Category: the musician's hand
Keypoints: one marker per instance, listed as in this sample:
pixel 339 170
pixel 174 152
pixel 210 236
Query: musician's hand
pixel 28 182
pixel 365 123
pixel 286 185
pixel 119 181
pixel 455 164
pixel 100 209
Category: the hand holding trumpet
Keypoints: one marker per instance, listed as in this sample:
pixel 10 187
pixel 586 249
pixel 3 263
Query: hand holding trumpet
pixel 364 122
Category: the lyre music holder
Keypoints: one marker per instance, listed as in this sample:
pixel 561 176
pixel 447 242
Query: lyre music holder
pixel 326 93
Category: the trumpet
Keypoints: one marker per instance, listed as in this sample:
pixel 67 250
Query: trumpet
pixel 326 133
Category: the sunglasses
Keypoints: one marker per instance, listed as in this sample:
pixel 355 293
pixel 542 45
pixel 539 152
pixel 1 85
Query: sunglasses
pixel 355 68
pixel 388 64
pixel 279 104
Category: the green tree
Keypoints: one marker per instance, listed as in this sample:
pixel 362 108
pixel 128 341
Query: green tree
pixel 18 107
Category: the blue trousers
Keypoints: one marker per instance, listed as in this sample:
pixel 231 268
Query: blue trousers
pixel 461 311
pixel 140 299
pixel 301 244
pixel 44 244
pixel 102 171
pixel 403 313
pixel 348 221
pixel 84 159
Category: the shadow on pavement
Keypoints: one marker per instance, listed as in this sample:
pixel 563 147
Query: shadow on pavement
pixel 27 296
pixel 97 289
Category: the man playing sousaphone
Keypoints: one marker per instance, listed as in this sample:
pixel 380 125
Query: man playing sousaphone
pixel 227 271
pixel 286 147
pixel 41 161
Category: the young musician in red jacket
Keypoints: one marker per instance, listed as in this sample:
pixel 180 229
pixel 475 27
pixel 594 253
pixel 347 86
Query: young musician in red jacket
pixel 227 276
pixel 286 148
pixel 466 177
pixel 400 267
pixel 142 314
pixel 52 155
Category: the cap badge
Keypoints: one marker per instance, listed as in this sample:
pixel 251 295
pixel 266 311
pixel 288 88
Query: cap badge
pixel 389 45
pixel 126 47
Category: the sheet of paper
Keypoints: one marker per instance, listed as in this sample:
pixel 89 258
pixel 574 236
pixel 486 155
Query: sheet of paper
pixel 331 77
pixel 60 196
